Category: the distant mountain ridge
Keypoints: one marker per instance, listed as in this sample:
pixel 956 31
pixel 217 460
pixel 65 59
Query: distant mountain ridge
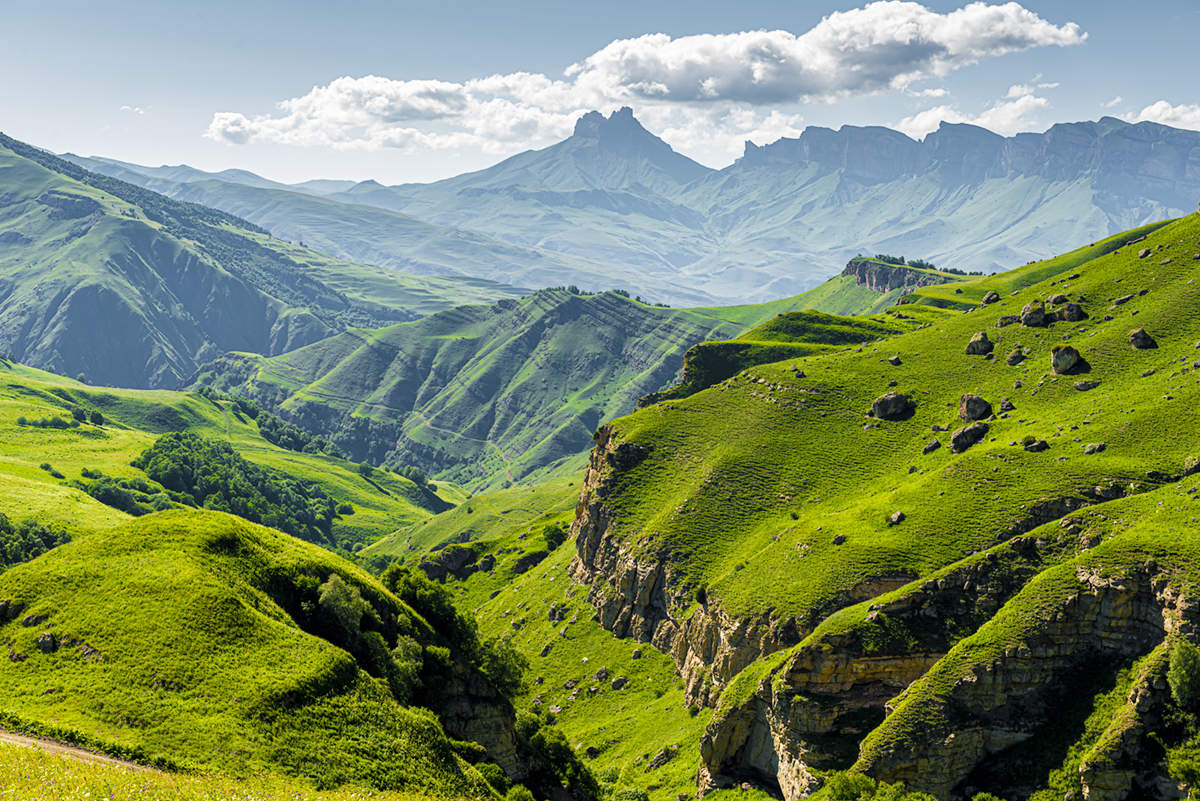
pixel 614 206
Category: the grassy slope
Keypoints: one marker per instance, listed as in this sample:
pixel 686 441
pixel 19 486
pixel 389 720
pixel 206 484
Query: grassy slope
pixel 201 665
pixel 628 727
pixel 28 774
pixel 491 395
pixel 169 282
pixel 759 473
pixel 135 418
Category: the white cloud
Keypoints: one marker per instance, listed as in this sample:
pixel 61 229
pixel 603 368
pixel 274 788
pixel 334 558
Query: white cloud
pixel 1116 101
pixel 1011 114
pixel 1181 116
pixel 134 109
pixel 745 84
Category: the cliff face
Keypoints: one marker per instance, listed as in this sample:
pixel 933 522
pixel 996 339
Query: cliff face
pixel 884 278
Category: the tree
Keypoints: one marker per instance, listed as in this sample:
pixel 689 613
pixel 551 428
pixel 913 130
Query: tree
pixel 343 606
pixel 96 419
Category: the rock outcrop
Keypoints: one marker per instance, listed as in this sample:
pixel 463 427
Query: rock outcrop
pixel 883 278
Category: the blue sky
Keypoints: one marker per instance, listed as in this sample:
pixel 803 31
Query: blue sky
pixel 202 83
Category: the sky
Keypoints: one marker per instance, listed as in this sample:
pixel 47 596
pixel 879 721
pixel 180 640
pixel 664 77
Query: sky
pixel 399 91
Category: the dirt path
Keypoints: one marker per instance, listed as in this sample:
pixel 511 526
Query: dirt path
pixel 65 749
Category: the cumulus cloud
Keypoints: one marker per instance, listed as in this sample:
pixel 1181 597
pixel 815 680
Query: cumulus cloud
pixel 748 83
pixel 1181 116
pixel 134 110
pixel 1013 113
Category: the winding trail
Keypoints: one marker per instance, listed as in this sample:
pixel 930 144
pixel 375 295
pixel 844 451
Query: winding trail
pixel 66 749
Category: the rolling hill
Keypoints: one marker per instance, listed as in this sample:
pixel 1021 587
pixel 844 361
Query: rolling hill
pixel 484 395
pixel 632 213
pixel 169 284
pixel 982 583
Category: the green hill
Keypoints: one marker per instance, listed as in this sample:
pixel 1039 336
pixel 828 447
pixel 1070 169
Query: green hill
pixel 169 284
pixel 484 395
pixel 840 593
pixel 51 442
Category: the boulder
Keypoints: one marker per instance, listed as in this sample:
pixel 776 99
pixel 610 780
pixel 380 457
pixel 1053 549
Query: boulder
pixel 1015 357
pixel 1070 313
pixel 1034 314
pixel 894 360
pixel 979 345
pixel 892 406
pixel 1094 447
pixel 968 435
pixel 620 683
pixel 1054 300
pixel 1143 253
pixel 1007 319
pixel 896 519
pixel 972 407
pixel 931 446
pixel 47 643
pixel 601 674
pixel 1084 386
pixel 1064 358
pixel 1121 301
pixel 1140 340
pixel 1037 446
pixel 1006 405
pixel 991 297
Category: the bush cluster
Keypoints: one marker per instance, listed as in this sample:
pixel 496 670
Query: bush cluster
pixel 28 540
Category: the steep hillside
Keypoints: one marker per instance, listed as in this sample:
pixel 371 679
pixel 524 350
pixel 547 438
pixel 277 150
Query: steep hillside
pixel 480 395
pixel 777 222
pixel 961 541
pixel 49 455
pixel 168 283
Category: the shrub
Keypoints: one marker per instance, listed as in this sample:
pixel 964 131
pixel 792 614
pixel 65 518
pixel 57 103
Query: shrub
pixel 495 776
pixel 519 792
pixel 96 419
pixel 1183 675
pixel 555 535
pixel 28 540
pixel 345 509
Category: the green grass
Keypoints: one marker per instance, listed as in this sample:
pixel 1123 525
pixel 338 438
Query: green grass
pixel 760 472
pixel 178 646
pixel 134 419
pixel 30 774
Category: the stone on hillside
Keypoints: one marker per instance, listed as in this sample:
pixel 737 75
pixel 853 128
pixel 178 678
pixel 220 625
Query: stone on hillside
pixel 1064 358
pixel 1143 253
pixel 1121 301
pixel 991 297
pixel 894 360
pixel 1034 314
pixel 892 406
pixel 1191 465
pixel 1084 386
pixel 601 674
pixel 1007 319
pixel 896 519
pixel 47 643
pixel 1056 299
pixel 1006 405
pixel 1037 446
pixel 1094 447
pixel 931 446
pixel 1140 340
pixel 968 435
pixel 620 683
pixel 637 654
pixel 1070 313
pixel 972 407
pixel 1164 262
pixel 1015 357
pixel 838 539
pixel 979 345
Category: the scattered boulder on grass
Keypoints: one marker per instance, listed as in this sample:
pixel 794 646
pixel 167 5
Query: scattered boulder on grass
pixel 1143 253
pixel 1094 447
pixel 620 683
pixel 1070 313
pixel 1121 301
pixel 1034 314
pixel 892 406
pixel 894 360
pixel 991 297
pixel 1054 300
pixel 896 518
pixel 1191 465
pixel 1064 359
pixel 1037 446
pixel 1140 340
pixel 838 539
pixel 979 345
pixel 968 435
pixel 972 407
pixel 1007 319
pixel 1084 386
pixel 47 642
pixel 1015 357
pixel 1006 405
pixel 930 447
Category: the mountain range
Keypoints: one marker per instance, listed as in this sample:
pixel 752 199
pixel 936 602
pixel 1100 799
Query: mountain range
pixel 614 206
